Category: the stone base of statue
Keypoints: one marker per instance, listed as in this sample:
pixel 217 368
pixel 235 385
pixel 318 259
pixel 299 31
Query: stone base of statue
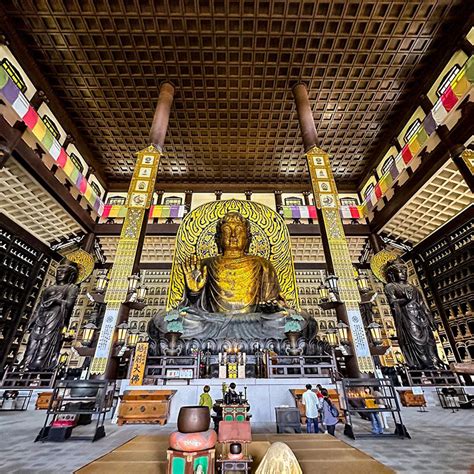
pixel 221 333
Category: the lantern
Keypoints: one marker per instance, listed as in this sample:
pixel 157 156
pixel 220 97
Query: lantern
pixel 101 283
pixel 141 293
pixel 88 332
pixel 323 292
pixel 122 330
pixel 375 331
pixel 331 336
pixel 363 283
pixel 133 281
pixel 133 338
pixel 331 282
pixel 343 332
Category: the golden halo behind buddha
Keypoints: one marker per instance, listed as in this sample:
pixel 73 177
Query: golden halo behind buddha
pixel 84 261
pixel 378 263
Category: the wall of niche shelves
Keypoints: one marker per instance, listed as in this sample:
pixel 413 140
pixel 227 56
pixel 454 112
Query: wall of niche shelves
pixel 445 270
pixel 22 270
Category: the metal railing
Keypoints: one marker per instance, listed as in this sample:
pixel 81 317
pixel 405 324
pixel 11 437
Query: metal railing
pixel 163 368
pixel 323 366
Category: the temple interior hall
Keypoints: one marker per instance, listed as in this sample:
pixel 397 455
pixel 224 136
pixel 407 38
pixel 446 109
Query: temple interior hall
pixel 236 236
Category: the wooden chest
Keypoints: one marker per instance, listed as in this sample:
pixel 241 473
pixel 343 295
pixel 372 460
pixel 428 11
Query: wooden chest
pixel 145 406
pixel 42 403
pixel 408 399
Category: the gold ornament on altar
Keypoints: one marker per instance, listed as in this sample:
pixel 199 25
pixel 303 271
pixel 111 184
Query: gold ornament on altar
pixel 270 240
pixel 84 261
pixel 379 261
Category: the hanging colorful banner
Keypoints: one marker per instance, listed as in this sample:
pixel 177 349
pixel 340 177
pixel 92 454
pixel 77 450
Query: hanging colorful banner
pixel 19 103
pixel 459 87
pixel 156 212
pixel 309 212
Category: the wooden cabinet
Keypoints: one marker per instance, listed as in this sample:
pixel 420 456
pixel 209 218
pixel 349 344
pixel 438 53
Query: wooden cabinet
pixel 408 399
pixel 145 406
pixel 42 402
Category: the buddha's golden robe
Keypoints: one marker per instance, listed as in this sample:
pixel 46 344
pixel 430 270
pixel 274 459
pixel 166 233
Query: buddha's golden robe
pixel 236 285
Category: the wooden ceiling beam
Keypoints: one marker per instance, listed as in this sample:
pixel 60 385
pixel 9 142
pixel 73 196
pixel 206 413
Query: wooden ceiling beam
pixel 202 187
pixel 296 230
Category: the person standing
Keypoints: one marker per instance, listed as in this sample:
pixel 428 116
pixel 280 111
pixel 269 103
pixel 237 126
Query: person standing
pixel 381 404
pixel 374 416
pixel 311 403
pixel 205 400
pixel 329 413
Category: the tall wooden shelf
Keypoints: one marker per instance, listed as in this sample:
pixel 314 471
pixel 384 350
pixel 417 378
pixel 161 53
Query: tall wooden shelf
pixel 22 270
pixel 444 266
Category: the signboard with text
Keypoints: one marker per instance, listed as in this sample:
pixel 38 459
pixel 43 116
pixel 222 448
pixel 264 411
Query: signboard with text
pixel 139 363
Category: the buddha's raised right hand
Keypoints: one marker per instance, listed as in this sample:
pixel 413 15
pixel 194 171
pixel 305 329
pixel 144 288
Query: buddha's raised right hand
pixel 194 273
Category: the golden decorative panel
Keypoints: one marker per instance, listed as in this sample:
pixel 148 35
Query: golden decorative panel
pixel 270 239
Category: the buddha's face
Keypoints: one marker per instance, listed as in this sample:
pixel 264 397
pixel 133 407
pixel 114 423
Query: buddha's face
pixel 397 274
pixel 65 274
pixel 233 233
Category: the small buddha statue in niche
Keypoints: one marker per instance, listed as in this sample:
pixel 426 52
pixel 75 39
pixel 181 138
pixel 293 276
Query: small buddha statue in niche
pixel 413 321
pixel 49 318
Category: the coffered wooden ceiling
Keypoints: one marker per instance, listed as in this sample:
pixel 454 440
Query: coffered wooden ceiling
pixel 234 63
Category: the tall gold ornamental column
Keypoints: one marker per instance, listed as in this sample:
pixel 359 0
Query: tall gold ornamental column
pixel 336 249
pixel 127 257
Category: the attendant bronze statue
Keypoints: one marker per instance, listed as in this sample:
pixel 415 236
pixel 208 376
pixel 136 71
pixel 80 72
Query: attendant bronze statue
pixel 413 321
pixel 50 317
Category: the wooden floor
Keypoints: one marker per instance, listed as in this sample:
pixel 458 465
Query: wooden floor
pixel 316 453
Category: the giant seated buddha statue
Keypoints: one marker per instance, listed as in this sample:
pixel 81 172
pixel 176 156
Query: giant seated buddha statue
pixel 232 296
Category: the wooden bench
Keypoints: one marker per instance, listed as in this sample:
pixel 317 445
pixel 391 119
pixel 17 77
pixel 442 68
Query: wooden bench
pixel 145 406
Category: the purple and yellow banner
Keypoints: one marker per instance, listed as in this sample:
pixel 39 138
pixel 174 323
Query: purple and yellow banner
pixel 309 212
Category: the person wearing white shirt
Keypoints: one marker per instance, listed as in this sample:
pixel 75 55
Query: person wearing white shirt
pixel 312 406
